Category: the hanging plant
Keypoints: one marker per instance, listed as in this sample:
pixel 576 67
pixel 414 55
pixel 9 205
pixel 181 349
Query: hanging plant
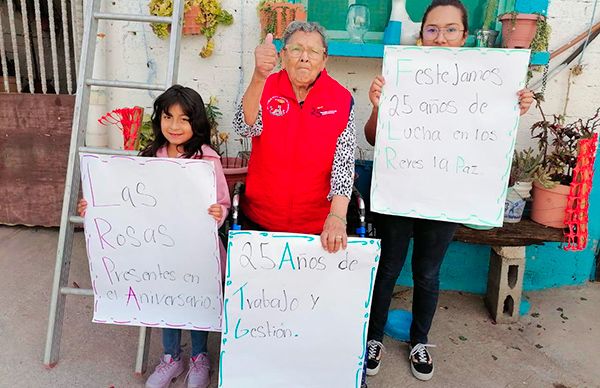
pixel 208 15
pixel 275 15
pixel 518 29
pixel 160 8
pixel 541 40
pixel 489 16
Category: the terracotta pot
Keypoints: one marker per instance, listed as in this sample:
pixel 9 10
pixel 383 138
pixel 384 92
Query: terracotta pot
pixel 190 26
pixel 235 170
pixel 549 205
pixel 285 13
pixel 518 30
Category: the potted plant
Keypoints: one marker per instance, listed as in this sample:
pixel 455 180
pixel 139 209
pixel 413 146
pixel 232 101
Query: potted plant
pixel 235 168
pixel 541 39
pixel 145 134
pixel 275 16
pixel 559 145
pixel 540 43
pixel 200 17
pixel 524 167
pixel 486 36
pixel 518 29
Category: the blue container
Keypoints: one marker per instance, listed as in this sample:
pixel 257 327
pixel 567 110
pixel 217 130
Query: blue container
pixel 540 58
pixel 532 6
pixel 398 324
pixel 392 32
pixel 362 178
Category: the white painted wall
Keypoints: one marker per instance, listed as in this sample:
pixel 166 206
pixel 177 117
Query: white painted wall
pixel 569 18
pixel 135 53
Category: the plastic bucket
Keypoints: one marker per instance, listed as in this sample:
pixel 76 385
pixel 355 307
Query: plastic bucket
pixel 513 206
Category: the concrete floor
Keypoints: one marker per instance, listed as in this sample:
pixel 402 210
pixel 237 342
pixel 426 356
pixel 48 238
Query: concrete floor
pixel 557 345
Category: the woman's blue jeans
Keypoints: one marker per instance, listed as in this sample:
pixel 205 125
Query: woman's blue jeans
pixel 172 342
pixel 431 240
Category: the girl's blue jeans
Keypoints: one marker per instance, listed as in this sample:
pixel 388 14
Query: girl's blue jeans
pixel 172 342
pixel 431 240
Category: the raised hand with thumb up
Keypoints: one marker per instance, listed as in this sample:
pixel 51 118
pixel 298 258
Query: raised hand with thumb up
pixel 265 58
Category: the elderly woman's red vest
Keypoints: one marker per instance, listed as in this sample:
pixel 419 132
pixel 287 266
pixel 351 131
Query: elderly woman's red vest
pixel 290 166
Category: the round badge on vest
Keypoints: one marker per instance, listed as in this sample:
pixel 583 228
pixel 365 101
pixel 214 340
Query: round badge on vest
pixel 278 106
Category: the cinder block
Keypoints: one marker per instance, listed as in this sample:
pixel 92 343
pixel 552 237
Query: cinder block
pixel 505 283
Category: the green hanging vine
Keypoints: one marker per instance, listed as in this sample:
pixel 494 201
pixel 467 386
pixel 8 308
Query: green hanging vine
pixel 210 15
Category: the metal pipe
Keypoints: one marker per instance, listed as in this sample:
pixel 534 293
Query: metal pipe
pixel 77 291
pixel 53 47
pixel 132 18
pixel 67 46
pixel 75 15
pixel 26 37
pixel 76 220
pixel 40 43
pixel 573 41
pixel 125 85
pixel 107 151
pixel 13 36
pixel 3 57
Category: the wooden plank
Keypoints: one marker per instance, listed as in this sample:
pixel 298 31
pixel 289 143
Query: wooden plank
pixel 521 233
pixel 35 132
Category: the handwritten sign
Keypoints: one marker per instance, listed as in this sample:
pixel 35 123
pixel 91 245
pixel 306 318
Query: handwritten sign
pixel 446 132
pixel 152 247
pixel 295 315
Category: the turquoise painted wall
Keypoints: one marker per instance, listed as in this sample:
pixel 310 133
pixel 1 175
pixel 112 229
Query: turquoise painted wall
pixel 465 267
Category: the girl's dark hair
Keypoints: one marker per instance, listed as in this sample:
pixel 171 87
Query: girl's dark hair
pixel 192 105
pixel 454 3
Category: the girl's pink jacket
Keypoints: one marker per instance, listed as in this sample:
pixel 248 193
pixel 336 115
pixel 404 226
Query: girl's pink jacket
pixel 223 198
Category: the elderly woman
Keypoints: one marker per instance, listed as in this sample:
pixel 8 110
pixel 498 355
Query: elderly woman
pixel 301 122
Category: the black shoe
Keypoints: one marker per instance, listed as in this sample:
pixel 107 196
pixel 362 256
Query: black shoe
pixel 421 363
pixel 374 350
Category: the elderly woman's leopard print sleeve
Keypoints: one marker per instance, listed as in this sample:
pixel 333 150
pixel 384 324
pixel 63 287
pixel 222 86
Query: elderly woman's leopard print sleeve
pixel 241 128
pixel 342 172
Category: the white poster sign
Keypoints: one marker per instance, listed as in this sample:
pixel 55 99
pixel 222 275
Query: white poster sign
pixel 446 132
pixel 295 315
pixel 152 247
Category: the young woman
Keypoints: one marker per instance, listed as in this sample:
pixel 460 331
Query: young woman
pixel 445 23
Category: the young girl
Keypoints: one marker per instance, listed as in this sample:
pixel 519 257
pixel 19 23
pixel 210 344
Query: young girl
pixel 181 130
pixel 444 24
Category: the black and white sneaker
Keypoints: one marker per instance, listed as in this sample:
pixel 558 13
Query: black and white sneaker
pixel 421 363
pixel 374 351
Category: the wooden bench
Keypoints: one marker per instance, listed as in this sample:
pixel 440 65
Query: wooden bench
pixel 507 262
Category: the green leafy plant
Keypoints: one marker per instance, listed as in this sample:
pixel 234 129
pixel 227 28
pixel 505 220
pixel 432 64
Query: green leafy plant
pixel 145 135
pixel 273 14
pixel 210 15
pixel 513 17
pixel 541 40
pixel 490 14
pixel 219 140
pixel 162 8
pixel 270 15
pixel 557 143
pixel 525 166
pixel 213 114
